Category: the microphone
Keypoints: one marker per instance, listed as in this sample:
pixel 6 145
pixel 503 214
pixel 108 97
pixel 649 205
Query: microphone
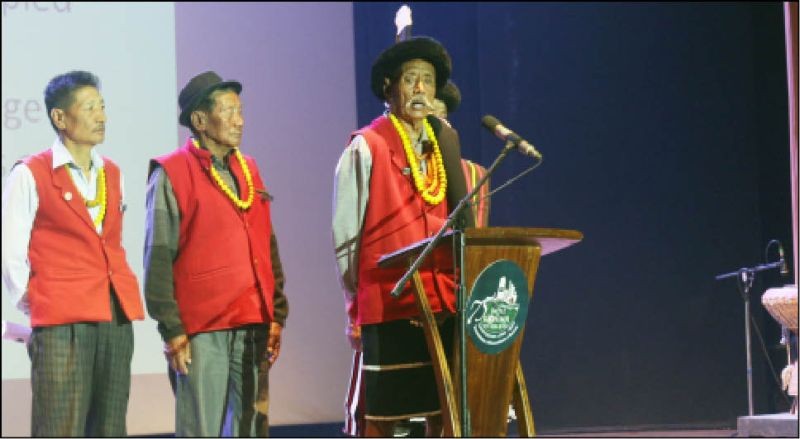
pixel 784 267
pixel 498 129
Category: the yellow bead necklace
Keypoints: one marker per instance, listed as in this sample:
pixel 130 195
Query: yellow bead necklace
pixel 244 205
pixel 99 197
pixel 435 191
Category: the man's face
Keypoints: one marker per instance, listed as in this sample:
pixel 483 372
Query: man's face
pixel 84 121
pixel 225 123
pixel 412 95
pixel 439 109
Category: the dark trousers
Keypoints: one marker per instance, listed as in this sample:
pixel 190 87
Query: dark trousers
pixel 226 390
pixel 81 377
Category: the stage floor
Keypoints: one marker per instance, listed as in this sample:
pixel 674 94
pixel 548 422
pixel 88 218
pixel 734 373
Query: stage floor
pixel 651 433
pixel 330 430
pixel 334 430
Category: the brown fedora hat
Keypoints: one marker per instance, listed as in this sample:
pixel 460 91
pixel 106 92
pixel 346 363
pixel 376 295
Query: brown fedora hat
pixel 413 48
pixel 197 89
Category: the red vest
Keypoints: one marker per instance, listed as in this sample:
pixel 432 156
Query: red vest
pixel 473 172
pixel 396 216
pixel 223 272
pixel 72 267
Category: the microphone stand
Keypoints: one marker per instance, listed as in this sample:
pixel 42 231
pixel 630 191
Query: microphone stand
pixel 461 289
pixel 745 278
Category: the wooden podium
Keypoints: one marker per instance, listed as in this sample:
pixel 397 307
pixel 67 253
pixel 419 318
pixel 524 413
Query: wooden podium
pixel 493 380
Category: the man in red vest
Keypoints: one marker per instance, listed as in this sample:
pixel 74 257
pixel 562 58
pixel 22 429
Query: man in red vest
pixel 213 276
pixel 64 265
pixel 395 184
pixel 446 102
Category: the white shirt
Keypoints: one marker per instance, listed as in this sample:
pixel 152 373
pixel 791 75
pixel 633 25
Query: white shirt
pixel 20 203
pixel 350 196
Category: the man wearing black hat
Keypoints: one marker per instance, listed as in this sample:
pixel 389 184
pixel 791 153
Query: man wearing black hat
pixel 447 100
pixel 213 277
pixel 395 184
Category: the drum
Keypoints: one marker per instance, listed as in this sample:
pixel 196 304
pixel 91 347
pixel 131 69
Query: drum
pixel 781 303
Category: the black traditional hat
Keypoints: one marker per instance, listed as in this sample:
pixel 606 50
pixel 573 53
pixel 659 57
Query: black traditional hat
pixel 197 89
pixel 425 48
pixel 450 95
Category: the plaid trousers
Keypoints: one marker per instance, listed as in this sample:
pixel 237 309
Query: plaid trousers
pixel 81 377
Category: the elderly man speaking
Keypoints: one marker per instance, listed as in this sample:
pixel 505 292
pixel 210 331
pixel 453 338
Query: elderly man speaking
pixel 395 184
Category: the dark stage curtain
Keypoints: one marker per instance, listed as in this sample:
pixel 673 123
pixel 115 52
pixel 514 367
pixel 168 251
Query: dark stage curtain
pixel 664 130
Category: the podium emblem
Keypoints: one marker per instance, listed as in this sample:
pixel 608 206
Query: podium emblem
pixel 497 306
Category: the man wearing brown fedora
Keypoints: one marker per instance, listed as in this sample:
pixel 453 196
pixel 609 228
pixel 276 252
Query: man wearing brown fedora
pixel 395 184
pixel 213 276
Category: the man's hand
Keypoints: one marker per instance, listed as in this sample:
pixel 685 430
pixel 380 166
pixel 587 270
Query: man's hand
pixel 353 332
pixel 274 342
pixel 178 351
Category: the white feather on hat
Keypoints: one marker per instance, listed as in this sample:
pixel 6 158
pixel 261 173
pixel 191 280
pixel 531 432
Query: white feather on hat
pixel 402 20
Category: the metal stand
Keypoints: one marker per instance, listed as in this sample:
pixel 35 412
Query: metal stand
pixel 745 278
pixel 460 287
pixel 745 283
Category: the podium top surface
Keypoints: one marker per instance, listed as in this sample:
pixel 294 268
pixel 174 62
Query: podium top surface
pixel 549 240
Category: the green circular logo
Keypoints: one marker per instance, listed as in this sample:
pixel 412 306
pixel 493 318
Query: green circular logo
pixel 497 306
